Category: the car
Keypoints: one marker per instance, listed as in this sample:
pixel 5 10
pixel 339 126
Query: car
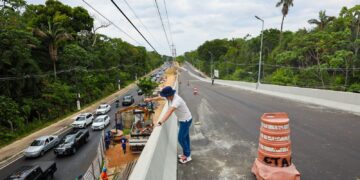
pixel 128 100
pixel 103 109
pixel 140 92
pixel 83 120
pixel 100 122
pixel 72 141
pixel 39 171
pixel 41 145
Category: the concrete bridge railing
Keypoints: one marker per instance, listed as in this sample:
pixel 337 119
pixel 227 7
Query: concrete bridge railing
pixel 345 101
pixel 158 159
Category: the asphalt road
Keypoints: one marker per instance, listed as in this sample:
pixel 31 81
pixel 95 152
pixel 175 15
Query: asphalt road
pixel 70 167
pixel 224 136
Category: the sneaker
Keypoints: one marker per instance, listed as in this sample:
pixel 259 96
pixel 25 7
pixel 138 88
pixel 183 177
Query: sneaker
pixel 185 159
pixel 181 156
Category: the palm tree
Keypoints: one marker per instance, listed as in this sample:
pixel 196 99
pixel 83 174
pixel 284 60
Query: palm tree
pixel 52 35
pixel 285 10
pixel 323 21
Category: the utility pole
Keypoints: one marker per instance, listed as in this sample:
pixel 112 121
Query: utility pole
pixel 77 93
pixel 261 46
pixel 118 81
pixel 173 52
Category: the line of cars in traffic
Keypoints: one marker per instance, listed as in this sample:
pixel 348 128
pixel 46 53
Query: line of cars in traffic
pixel 78 136
pixel 71 142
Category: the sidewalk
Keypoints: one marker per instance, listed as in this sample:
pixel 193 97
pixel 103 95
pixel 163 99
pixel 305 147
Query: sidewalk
pixel 14 150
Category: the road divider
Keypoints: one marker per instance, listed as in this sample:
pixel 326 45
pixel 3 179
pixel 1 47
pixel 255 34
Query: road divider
pixel 274 152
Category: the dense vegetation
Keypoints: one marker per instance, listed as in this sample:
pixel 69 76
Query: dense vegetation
pixel 48 54
pixel 326 56
pixel 147 85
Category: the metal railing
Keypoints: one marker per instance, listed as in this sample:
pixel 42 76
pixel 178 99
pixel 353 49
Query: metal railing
pixel 94 170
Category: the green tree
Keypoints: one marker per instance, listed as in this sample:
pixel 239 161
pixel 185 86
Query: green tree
pixel 53 35
pixel 147 85
pixel 9 114
pixel 16 62
pixel 284 10
pixel 323 21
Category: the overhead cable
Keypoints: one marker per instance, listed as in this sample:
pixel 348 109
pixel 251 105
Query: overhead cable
pixel 78 68
pixel 162 24
pixel 137 17
pixel 133 26
pixel 117 27
pixel 167 16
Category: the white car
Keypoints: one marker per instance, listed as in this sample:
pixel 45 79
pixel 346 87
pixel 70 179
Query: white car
pixel 100 122
pixel 83 120
pixel 40 145
pixel 103 109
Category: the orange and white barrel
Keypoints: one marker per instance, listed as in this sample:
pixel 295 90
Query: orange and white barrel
pixel 274 142
pixel 274 152
pixel 195 91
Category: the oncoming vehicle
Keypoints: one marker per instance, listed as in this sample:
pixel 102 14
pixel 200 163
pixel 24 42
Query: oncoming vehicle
pixel 72 141
pixel 128 100
pixel 103 109
pixel 83 120
pixel 140 92
pixel 101 122
pixel 39 171
pixel 40 145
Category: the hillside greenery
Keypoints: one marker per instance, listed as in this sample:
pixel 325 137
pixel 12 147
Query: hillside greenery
pixel 48 54
pixel 326 56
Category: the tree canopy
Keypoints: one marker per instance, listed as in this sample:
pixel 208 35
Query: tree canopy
pixel 34 39
pixel 326 56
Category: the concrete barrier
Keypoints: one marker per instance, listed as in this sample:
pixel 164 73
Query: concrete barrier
pixel 158 159
pixel 345 101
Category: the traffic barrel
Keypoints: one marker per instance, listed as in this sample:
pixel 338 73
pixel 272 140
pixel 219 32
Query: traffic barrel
pixel 274 152
pixel 195 91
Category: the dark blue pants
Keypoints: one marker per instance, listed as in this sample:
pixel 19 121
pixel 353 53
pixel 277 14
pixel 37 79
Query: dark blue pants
pixel 184 137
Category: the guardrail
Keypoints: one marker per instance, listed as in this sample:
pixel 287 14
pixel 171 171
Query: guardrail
pixel 94 171
pixel 158 159
pixel 345 101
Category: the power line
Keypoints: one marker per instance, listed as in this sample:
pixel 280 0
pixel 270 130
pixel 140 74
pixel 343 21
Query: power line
pixel 78 68
pixel 167 16
pixel 137 17
pixel 162 23
pixel 133 25
pixel 111 22
pixel 312 67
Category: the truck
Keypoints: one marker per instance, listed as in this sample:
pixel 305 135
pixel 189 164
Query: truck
pixel 141 127
pixel 40 171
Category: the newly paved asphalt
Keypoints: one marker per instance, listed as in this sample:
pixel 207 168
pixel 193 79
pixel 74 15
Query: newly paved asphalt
pixel 70 167
pixel 225 132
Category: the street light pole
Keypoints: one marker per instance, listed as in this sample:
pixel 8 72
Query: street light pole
pixel 211 69
pixel 261 46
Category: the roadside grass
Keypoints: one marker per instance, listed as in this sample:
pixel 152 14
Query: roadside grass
pixel 10 137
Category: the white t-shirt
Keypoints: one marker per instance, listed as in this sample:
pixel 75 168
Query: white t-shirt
pixel 182 111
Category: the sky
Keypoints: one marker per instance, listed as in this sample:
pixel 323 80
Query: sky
pixel 192 22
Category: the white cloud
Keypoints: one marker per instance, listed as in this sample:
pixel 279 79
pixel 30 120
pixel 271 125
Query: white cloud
pixel 195 21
